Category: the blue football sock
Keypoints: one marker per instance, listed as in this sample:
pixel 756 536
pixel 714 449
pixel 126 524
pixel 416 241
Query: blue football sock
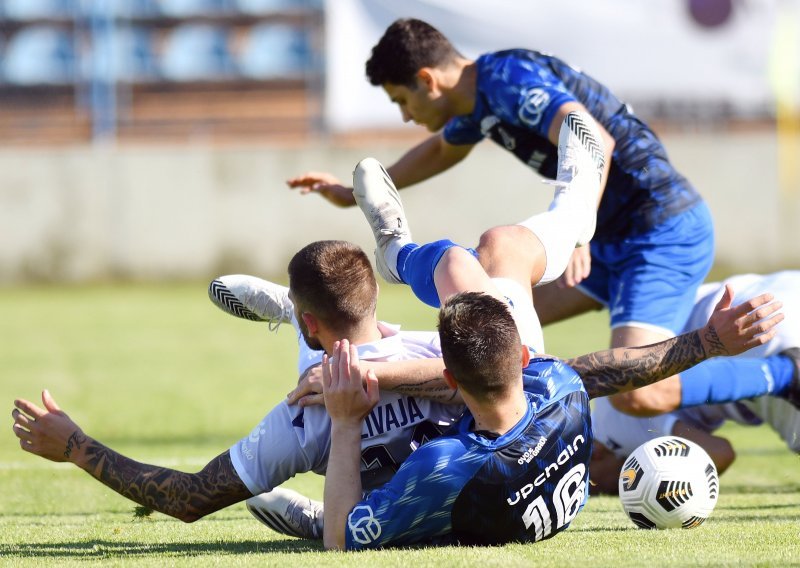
pixel 726 379
pixel 415 266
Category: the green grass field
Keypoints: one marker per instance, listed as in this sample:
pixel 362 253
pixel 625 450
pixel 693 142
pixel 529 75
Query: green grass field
pixel 161 375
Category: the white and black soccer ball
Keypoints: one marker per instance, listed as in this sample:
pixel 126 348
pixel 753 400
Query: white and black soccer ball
pixel 668 482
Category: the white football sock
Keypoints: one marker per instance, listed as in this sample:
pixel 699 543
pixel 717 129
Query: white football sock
pixel 528 326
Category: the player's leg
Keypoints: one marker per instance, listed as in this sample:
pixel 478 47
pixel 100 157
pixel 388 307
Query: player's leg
pixel 652 280
pixel 781 415
pixel 570 220
pixel 437 270
pixel 719 449
pixel 554 303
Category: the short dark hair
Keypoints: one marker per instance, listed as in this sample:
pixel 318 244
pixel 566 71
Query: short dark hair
pixel 480 344
pixel 407 46
pixel 334 280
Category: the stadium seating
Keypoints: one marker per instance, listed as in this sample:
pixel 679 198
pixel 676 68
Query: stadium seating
pixel 135 56
pixel 196 52
pixel 258 7
pixel 40 55
pixel 186 8
pixel 275 50
pixel 21 10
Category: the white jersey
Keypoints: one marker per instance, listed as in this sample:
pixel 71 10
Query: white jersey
pixel 291 440
pixel 622 433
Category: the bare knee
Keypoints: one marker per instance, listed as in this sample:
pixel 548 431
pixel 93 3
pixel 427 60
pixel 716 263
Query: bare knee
pixel 499 241
pixel 511 250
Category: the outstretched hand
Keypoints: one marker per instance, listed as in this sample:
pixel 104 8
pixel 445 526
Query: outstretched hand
pixel 326 185
pixel 47 432
pixel 348 397
pixel 734 330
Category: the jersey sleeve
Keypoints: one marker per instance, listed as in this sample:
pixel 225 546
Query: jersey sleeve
pixel 416 505
pixel 282 446
pixel 516 90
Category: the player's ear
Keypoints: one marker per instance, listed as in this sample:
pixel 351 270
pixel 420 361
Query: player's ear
pixel 312 323
pixel 449 379
pixel 427 77
pixel 526 356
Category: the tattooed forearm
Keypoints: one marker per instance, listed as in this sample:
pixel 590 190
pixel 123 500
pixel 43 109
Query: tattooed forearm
pixel 715 346
pixel 184 496
pixel 74 442
pixel 434 389
pixel 626 368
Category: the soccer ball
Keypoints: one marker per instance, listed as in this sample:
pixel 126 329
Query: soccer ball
pixel 668 482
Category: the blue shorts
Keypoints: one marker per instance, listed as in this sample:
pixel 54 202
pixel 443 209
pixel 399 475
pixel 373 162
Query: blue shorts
pixel 650 280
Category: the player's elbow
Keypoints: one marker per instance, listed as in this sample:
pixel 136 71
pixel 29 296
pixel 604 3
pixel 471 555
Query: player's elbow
pixel 189 517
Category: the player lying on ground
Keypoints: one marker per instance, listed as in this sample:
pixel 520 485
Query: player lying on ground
pixel 253 298
pixel 654 242
pixel 335 295
pixel 332 293
pixel 515 467
pixel 617 434
pixel 51 434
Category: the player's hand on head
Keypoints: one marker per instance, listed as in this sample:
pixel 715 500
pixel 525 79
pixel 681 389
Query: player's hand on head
pixel 733 330
pixel 349 394
pixel 308 391
pixel 578 268
pixel 47 432
pixel 327 185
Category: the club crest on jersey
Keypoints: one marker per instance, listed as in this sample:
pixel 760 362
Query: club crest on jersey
pixel 532 110
pixel 363 525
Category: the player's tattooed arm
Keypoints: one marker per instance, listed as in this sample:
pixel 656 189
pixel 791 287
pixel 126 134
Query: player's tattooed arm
pixel 619 370
pixel 729 331
pixel 185 496
pixel 48 432
pixel 421 378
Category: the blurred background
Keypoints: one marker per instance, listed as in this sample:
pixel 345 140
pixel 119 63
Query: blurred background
pixel 151 139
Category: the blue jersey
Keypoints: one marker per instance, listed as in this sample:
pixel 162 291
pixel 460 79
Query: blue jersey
pixel 518 94
pixel 476 488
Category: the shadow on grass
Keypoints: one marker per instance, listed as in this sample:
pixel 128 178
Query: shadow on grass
pixel 110 549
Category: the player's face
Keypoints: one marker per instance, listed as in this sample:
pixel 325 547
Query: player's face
pixel 420 105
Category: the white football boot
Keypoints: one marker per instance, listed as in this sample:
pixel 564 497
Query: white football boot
pixel 252 298
pixel 377 197
pixel 288 512
pixel 581 162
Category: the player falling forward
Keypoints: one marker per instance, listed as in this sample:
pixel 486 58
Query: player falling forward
pixel 332 292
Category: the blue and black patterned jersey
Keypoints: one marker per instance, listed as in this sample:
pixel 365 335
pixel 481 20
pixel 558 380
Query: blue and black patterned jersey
pixel 475 488
pixel 518 94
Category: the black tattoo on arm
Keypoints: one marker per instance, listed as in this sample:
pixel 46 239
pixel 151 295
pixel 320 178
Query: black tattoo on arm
pixel 716 348
pixel 436 390
pixel 74 442
pixel 626 368
pixel 185 496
